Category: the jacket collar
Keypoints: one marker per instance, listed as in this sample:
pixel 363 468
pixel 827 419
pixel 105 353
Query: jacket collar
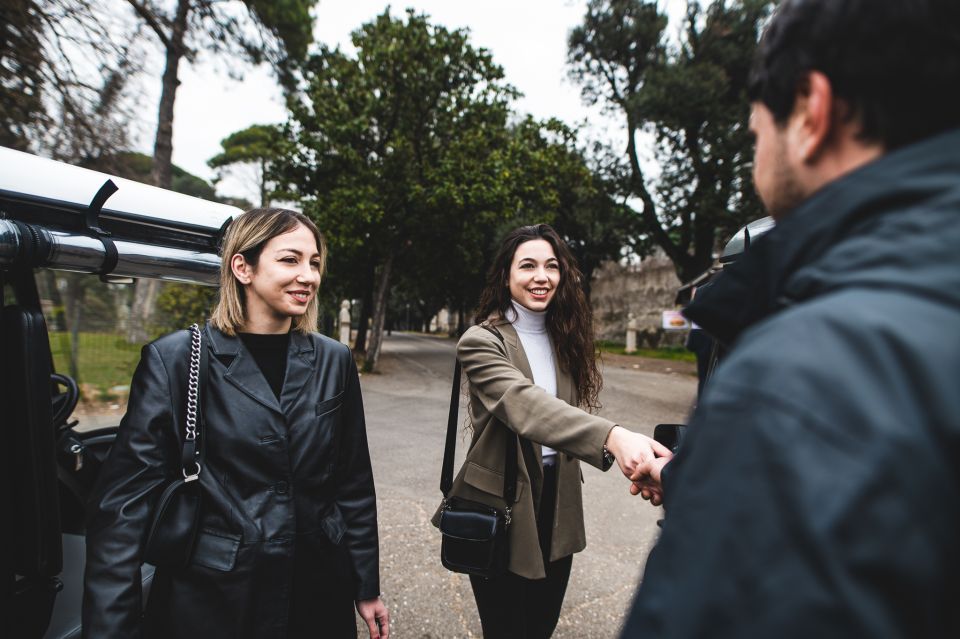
pixel 242 370
pixel 519 359
pixel 766 279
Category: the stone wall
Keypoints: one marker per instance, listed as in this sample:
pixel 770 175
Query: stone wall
pixel 645 289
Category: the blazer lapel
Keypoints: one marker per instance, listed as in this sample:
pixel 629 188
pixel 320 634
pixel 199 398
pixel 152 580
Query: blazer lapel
pixel 565 390
pixel 519 359
pixel 243 371
pixel 301 367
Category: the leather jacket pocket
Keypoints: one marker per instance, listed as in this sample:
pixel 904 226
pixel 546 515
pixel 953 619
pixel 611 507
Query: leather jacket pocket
pixel 217 551
pixel 329 405
pixel 333 525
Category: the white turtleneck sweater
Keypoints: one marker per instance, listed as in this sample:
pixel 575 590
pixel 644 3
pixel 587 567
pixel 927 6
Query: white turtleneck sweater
pixel 531 327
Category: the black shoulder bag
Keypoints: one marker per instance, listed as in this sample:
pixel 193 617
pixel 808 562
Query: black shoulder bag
pixel 475 538
pixel 177 514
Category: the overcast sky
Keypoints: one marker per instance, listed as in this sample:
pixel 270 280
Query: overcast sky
pixel 528 38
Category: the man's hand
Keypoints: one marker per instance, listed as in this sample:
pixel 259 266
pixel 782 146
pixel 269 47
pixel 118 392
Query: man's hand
pixel 375 614
pixel 646 480
pixel 636 454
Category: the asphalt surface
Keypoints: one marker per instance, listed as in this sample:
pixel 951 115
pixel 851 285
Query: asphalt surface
pixel 406 405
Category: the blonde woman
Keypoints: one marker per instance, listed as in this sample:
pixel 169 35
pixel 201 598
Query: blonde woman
pixel 287 539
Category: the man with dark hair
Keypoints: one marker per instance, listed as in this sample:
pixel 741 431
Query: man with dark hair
pixel 817 493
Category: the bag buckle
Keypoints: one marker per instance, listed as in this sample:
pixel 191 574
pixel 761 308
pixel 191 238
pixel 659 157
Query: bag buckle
pixel 188 477
pixel 506 518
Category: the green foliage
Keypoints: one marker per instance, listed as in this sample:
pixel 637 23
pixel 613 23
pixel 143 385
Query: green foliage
pixel 692 98
pixel 256 143
pixel 406 157
pixel 289 21
pixel 398 152
pixel 259 145
pixel 676 353
pixel 105 359
pixel 180 305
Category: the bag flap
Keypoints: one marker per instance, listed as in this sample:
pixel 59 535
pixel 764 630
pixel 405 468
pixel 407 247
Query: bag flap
pixel 469 525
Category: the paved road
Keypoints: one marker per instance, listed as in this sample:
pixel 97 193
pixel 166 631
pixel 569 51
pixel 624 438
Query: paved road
pixel 406 407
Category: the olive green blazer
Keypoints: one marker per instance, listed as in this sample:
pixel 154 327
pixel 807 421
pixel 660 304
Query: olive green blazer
pixel 505 402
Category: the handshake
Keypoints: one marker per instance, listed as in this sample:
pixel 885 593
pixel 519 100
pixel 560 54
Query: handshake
pixel 641 459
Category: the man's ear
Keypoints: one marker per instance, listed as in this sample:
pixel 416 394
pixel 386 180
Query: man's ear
pixel 241 269
pixel 814 116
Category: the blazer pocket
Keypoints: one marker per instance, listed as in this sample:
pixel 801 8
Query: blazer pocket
pixel 217 551
pixel 330 405
pixel 489 481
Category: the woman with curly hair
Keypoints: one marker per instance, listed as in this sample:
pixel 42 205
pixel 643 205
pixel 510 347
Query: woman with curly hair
pixel 532 373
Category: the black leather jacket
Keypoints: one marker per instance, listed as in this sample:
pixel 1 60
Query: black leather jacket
pixel 278 477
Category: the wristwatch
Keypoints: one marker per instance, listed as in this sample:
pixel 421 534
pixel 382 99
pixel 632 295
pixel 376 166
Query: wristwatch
pixel 608 458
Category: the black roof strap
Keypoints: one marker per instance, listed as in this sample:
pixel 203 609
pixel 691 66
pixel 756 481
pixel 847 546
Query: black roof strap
pixel 110 254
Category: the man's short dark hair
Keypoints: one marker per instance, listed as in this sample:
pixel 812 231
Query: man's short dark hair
pixel 895 63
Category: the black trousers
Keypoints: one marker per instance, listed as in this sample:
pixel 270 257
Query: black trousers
pixel 514 607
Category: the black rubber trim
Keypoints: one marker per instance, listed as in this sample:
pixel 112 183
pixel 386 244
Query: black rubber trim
pixel 92 218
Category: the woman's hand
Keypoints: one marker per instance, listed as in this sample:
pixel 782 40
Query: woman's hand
pixel 635 454
pixel 375 614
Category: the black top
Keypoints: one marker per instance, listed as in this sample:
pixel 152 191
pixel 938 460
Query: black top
pixel 270 353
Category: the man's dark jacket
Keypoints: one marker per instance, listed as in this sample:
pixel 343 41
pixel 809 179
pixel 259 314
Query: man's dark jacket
pixel 818 491
pixel 287 490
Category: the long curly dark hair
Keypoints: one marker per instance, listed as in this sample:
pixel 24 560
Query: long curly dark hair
pixel 569 319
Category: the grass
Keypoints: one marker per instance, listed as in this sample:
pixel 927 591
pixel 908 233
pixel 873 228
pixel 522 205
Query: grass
pixel 105 359
pixel 676 353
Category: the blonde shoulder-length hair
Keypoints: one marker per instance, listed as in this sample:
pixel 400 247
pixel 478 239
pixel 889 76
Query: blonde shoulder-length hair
pixel 247 235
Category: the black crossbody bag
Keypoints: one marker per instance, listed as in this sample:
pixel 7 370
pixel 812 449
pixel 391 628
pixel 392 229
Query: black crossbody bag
pixel 176 516
pixel 475 539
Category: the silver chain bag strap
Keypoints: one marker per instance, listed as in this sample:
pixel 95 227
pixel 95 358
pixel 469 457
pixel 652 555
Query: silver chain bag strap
pixel 176 515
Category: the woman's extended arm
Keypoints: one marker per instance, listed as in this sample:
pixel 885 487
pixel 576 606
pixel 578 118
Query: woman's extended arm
pixel 515 400
pixel 139 463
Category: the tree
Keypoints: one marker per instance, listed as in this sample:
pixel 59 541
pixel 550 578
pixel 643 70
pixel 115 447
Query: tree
pixel 253 31
pixel 63 79
pixel 181 305
pixel 257 146
pixel 692 98
pixel 274 31
pixel 375 141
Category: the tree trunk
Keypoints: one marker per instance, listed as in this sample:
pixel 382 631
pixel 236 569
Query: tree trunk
pixel 163 142
pixel 360 346
pixel 264 200
pixel 145 295
pixel 141 310
pixel 381 296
